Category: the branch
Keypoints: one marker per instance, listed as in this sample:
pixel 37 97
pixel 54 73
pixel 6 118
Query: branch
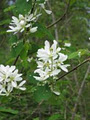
pixel 16 60
pixel 31 13
pixel 33 7
pixel 37 107
pixel 61 18
pixel 53 19
pixel 80 92
pixel 75 68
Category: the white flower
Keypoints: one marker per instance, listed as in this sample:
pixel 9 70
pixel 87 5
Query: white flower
pixel 79 54
pixel 34 29
pixel 55 92
pixel 23 22
pixel 50 61
pixel 30 59
pixel 48 52
pixel 67 44
pixel 9 79
pixel 42 5
pixel 43 74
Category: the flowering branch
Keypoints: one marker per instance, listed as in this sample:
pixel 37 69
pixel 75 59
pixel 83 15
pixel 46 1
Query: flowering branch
pixel 75 68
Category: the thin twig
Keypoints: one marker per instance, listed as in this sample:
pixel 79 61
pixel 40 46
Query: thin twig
pixel 33 7
pixel 75 68
pixel 53 19
pixel 35 110
pixel 79 93
pixel 16 60
pixel 37 107
pixel 61 18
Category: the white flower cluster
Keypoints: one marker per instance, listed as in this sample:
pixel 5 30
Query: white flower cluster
pixel 23 22
pixel 50 61
pixel 9 79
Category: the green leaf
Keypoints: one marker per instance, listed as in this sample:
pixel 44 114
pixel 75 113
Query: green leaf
pixel 9 8
pixel 42 31
pixel 40 1
pixel 13 39
pixel 32 80
pixel 8 110
pixel 36 119
pixel 55 117
pixel 81 52
pixel 17 48
pixel 73 55
pixel 5 22
pixel 34 48
pixel 24 51
pixel 72 2
pixel 42 93
pixel 2 32
pixel 22 7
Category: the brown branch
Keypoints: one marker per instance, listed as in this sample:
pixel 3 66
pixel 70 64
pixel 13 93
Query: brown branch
pixel 31 13
pixel 79 93
pixel 16 60
pixel 33 7
pixel 37 107
pixel 61 18
pixel 75 68
pixel 53 19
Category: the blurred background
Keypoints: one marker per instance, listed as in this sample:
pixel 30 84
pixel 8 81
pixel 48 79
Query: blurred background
pixel 73 27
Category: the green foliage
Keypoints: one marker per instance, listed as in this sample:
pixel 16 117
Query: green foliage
pixel 9 8
pixel 22 7
pixel 79 53
pixel 73 28
pixel 8 110
pixel 55 117
pixel 42 32
pixel 36 119
pixel 17 48
pixel 5 22
pixel 42 93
